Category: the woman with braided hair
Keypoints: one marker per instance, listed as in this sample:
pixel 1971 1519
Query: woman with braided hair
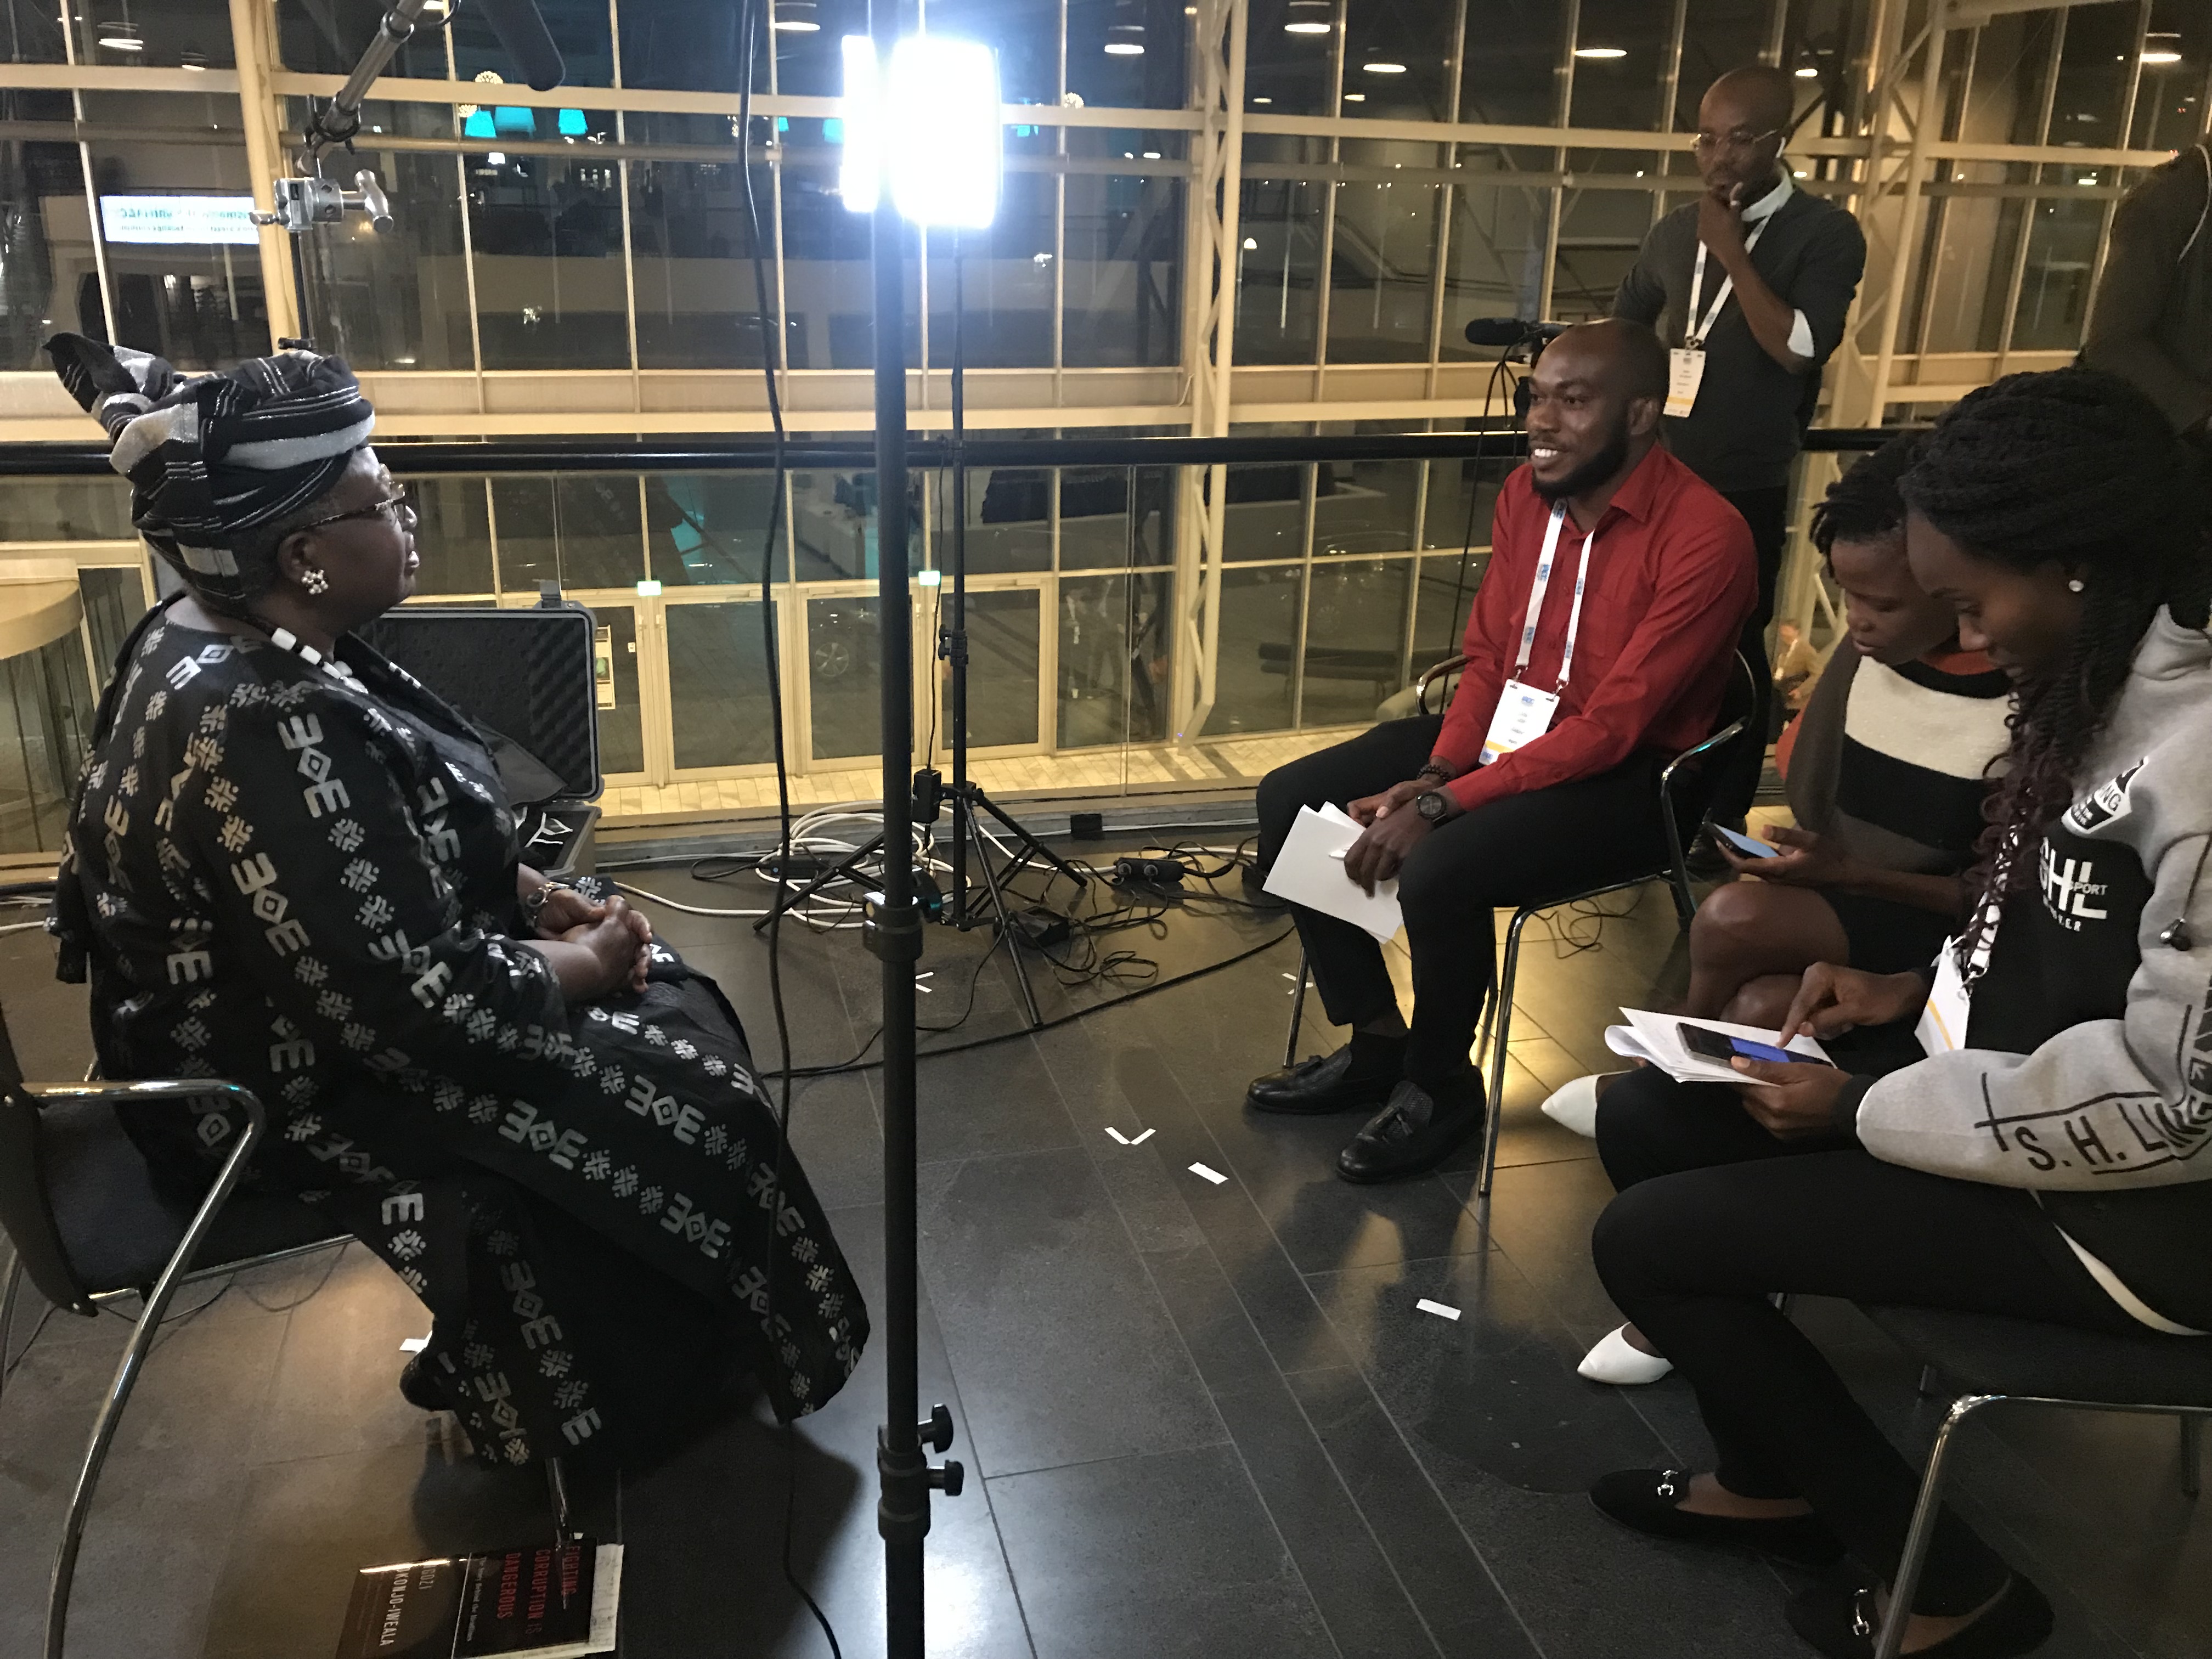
pixel 2046 1160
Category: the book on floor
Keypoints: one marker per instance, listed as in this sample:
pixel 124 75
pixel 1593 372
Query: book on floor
pixel 549 1601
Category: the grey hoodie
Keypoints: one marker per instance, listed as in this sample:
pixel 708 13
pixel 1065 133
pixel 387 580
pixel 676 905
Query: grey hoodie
pixel 2110 1106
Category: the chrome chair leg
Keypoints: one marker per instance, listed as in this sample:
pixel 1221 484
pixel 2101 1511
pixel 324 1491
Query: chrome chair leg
pixel 2192 1455
pixel 1297 1008
pixel 1922 1530
pixel 1501 1035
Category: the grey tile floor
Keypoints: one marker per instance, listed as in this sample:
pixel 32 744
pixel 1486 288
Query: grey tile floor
pixel 1198 1419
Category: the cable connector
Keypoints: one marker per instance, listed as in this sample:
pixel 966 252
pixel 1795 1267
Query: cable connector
pixel 1152 871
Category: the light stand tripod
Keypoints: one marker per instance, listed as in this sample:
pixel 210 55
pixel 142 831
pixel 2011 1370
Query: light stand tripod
pixel 965 796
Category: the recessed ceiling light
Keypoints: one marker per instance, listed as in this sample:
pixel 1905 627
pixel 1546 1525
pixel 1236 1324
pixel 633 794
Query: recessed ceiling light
pixel 797 17
pixel 1125 40
pixel 1384 68
pixel 1601 52
pixel 2161 56
pixel 1355 97
pixel 1808 73
pixel 1308 17
pixel 1263 100
pixel 1251 243
pixel 1124 49
pixel 121 37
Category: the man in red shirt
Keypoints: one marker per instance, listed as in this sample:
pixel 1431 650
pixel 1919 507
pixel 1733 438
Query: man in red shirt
pixel 1510 796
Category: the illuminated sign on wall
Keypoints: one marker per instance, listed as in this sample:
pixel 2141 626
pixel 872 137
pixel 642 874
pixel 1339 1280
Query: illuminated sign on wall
pixel 200 219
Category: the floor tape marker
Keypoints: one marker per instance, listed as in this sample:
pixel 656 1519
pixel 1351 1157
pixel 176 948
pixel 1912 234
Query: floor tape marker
pixel 1214 1175
pixel 1117 1134
pixel 1144 1137
pixel 1438 1308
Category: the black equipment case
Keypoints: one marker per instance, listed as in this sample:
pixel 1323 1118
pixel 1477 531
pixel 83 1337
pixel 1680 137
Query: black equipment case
pixel 524 679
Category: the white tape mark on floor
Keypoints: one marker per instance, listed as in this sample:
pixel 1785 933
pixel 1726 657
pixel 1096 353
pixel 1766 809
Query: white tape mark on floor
pixel 1214 1175
pixel 1438 1308
pixel 415 1344
pixel 1144 1137
pixel 1117 1134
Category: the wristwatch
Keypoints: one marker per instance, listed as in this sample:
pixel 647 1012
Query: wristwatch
pixel 1434 806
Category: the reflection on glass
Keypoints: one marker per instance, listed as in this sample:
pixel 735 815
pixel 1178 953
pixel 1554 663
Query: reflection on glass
pixel 1114 659
pixel 833 525
pixel 49 277
pixel 579 27
pixel 1441 608
pixel 1124 277
pixel 622 728
pixel 2054 290
pixel 164 35
pixel 1005 282
pixel 686 45
pixel 31 30
pixel 1398 55
pixel 1495 263
pixel 1359 659
pixel 1380 268
pixel 454 532
pixel 399 298
pixel 1256 684
pixel 1009 519
pixel 718 689
pixel 1365 506
pixel 1510 71
pixel 325 37
pixel 691 245
pixel 1025 33
pixel 1460 496
pixel 1094 517
pixel 705 529
pixel 1623 91
pixel 96 509
pixel 844 677
pixel 114 598
pixel 829 289
pixel 1600 234
pixel 1266 514
pixel 43 729
pixel 1287 73
pixel 199 305
pixel 1278 270
pixel 1002 669
pixel 583 530
pixel 1717 36
pixel 1127 54
pixel 548 235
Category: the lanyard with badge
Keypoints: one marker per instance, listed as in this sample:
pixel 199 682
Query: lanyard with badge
pixel 1523 712
pixel 1686 363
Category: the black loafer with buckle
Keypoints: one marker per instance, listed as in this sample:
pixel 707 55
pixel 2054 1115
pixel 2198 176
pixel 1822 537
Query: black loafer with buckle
pixel 1646 1500
pixel 1417 1130
pixel 1845 1623
pixel 1327 1083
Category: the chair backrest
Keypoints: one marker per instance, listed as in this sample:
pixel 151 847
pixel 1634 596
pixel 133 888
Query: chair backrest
pixel 26 1211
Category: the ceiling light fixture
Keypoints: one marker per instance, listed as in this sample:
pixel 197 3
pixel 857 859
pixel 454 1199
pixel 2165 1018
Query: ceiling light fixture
pixel 1384 68
pixel 2163 55
pixel 797 17
pixel 1308 17
pixel 1808 73
pixel 1601 52
pixel 1125 40
pixel 121 37
pixel 1355 97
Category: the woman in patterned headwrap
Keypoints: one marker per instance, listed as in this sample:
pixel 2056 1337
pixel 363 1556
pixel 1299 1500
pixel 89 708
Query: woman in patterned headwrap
pixel 292 867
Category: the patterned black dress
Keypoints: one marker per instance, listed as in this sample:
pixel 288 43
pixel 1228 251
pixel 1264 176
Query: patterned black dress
pixel 302 878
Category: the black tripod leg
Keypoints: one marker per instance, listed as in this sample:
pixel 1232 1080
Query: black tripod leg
pixel 1030 845
pixel 999 904
pixel 790 899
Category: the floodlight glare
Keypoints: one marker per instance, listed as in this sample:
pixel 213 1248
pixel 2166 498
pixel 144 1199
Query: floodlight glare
pixel 932 126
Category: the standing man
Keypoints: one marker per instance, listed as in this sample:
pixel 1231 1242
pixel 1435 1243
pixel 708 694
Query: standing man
pixel 1749 287
pixel 2151 322
pixel 1601 645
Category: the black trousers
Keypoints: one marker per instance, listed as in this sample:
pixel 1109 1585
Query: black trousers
pixel 1545 843
pixel 1715 1214
pixel 1767 513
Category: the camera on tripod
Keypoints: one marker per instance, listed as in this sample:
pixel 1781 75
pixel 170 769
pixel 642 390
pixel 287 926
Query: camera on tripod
pixel 1524 342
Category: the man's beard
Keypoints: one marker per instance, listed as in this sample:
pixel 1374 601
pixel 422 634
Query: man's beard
pixel 1593 472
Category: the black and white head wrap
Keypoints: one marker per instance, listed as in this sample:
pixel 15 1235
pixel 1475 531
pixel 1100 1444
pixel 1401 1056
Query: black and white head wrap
pixel 212 456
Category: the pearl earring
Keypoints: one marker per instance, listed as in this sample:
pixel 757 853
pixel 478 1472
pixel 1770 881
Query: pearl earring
pixel 2073 585
pixel 316 582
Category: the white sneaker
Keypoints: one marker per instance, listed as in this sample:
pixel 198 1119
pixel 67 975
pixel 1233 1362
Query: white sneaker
pixel 1575 1106
pixel 1613 1360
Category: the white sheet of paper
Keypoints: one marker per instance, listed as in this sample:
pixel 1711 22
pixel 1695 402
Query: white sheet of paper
pixel 1653 1037
pixel 1310 871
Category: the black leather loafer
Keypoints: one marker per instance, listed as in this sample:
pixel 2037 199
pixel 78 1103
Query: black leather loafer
pixel 1416 1131
pixel 1645 1499
pixel 1844 1623
pixel 419 1387
pixel 1327 1083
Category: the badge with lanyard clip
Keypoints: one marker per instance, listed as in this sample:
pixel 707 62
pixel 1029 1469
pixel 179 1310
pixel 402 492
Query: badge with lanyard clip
pixel 1686 363
pixel 1524 712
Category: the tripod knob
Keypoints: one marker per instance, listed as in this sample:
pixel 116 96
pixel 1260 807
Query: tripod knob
pixel 937 1432
pixel 949 1479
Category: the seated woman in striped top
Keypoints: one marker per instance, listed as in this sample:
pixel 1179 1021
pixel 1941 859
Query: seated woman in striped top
pixel 1887 778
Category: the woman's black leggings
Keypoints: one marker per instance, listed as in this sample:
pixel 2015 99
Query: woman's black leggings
pixel 1717 1218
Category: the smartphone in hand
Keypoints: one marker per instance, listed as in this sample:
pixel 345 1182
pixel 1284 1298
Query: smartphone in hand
pixel 1720 1046
pixel 1749 846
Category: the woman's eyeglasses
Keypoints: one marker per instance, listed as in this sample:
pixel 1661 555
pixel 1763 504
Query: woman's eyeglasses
pixel 397 509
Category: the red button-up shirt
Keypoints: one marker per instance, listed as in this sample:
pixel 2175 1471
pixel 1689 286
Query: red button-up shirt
pixel 1672 581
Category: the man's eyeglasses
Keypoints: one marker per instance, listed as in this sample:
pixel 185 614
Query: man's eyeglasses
pixel 1706 142
pixel 397 509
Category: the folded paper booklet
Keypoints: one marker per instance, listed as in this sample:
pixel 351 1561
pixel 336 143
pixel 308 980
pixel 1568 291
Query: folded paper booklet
pixel 1657 1038
pixel 551 1601
pixel 1310 871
